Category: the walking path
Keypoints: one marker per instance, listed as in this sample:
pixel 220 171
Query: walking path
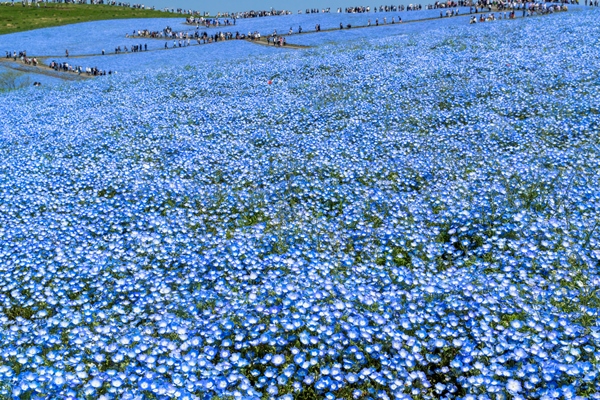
pixel 263 41
pixel 42 69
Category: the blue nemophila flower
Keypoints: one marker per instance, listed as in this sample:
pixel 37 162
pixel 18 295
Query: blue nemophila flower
pixel 278 359
pixel 355 227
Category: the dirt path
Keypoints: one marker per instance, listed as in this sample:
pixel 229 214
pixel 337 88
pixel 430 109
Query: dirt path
pixel 263 41
pixel 43 70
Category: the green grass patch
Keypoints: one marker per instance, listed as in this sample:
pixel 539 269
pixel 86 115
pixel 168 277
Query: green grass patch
pixel 19 18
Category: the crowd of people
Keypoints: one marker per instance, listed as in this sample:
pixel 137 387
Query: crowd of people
pixel 208 22
pixel 205 38
pixel 240 14
pixel 449 13
pixel 358 10
pixel 135 48
pixel 62 67
pixel 167 32
pixel 528 10
pixel 315 11
pixel 385 8
pixel 108 2
pixel 22 56
pixel 384 21
pixel 253 14
pixel 276 40
pixel 66 67
pixel 145 33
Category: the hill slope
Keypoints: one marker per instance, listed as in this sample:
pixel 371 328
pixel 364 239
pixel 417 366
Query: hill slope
pixel 18 18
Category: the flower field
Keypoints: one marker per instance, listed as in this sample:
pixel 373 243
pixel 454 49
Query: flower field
pixel 407 215
pixel 84 38
pixel 91 37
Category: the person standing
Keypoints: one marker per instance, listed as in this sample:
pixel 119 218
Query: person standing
pixel 67 53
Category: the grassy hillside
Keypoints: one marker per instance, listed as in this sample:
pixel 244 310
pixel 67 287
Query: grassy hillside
pixel 17 18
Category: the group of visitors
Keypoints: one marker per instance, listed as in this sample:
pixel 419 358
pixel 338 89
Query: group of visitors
pixel 63 67
pixel 108 2
pixel 451 4
pixel 167 32
pixel 528 9
pixel 393 21
pixel 491 17
pixel 208 22
pixel 314 11
pixel 276 40
pixel 358 10
pixel 449 13
pixel 195 16
pixel 252 36
pixel 134 48
pixel 90 71
pixel 516 4
pixel 121 4
pixel 254 14
pixel 14 54
pixel 204 38
pixel 400 7
pixel 22 56
pixel 148 34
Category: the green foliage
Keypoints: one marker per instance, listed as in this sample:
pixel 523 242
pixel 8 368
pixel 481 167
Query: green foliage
pixel 13 80
pixel 17 311
pixel 5 391
pixel 16 18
